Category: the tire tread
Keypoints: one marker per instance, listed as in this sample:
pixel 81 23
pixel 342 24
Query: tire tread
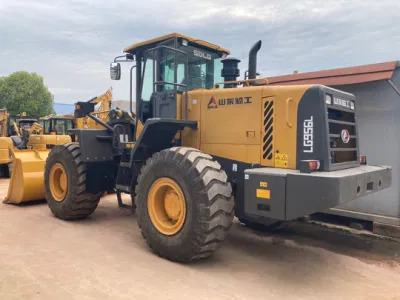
pixel 216 212
pixel 81 203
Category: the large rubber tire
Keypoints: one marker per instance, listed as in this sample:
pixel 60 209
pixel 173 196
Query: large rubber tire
pixel 5 170
pixel 208 197
pixel 9 169
pixel 77 203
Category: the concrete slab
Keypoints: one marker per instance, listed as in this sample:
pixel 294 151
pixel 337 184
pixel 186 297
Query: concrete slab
pixel 386 230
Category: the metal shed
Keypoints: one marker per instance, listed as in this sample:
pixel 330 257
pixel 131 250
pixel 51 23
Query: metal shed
pixel 377 91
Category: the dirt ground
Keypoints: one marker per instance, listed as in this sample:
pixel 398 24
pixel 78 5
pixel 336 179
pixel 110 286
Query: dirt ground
pixel 105 257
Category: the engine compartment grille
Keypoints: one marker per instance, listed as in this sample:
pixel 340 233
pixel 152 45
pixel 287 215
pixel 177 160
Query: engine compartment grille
pixel 343 143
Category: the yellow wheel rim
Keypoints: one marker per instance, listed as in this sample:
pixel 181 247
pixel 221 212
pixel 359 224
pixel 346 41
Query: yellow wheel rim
pixel 58 182
pixel 166 206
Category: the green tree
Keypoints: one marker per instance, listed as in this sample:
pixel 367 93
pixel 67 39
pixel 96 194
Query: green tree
pixel 25 92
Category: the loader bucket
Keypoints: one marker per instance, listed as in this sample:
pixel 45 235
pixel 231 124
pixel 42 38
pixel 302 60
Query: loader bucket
pixel 27 176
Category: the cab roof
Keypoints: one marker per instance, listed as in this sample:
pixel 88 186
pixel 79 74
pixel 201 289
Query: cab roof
pixel 133 48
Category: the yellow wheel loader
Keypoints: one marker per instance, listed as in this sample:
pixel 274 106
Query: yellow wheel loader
pixel 29 152
pixel 204 146
pixel 11 128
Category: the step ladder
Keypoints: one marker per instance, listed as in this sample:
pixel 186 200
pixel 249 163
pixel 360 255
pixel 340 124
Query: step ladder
pixel 124 171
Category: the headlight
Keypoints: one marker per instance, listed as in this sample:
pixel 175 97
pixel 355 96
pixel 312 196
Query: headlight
pixel 328 99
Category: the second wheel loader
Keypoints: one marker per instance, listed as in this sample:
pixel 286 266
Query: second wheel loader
pixel 27 152
pixel 204 146
pixel 11 129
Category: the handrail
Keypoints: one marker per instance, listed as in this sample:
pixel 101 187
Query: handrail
pixel 131 89
pixel 260 81
pixel 170 83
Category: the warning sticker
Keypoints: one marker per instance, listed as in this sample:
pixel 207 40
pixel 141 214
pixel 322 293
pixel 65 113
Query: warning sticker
pixel 281 160
pixel 263 184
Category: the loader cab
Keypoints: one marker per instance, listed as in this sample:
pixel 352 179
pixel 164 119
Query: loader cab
pixel 57 125
pixel 21 122
pixel 169 66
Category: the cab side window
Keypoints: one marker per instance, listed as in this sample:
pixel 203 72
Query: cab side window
pixel 147 85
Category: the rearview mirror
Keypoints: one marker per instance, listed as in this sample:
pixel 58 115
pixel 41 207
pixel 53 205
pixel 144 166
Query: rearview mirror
pixel 115 71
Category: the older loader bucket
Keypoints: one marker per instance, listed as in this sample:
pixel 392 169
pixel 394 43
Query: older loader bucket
pixel 27 176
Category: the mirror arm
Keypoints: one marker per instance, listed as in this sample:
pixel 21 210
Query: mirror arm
pixel 123 56
pixel 116 59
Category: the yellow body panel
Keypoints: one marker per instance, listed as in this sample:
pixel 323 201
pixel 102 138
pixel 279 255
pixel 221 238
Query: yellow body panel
pixel 286 100
pixel 27 183
pixel 232 123
pixel 139 128
pixel 40 142
pixel 6 146
pixel 190 137
pixel 4 115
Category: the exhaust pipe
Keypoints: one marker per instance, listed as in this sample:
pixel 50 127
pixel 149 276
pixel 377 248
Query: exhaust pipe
pixel 253 60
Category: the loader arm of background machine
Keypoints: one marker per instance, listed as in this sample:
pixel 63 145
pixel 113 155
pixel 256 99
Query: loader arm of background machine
pixel 36 129
pixel 102 113
pixel 104 100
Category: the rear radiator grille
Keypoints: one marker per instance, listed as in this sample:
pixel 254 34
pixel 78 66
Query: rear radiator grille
pixel 268 122
pixel 342 120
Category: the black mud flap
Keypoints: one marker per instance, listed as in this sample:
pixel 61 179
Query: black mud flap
pixel 95 144
pixel 98 154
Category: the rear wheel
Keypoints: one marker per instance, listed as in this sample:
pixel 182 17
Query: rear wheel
pixel 65 183
pixel 184 204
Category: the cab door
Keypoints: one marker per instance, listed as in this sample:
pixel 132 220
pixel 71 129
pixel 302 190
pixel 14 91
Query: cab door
pixel 163 78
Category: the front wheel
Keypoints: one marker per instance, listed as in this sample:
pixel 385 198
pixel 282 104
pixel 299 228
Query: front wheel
pixel 65 183
pixel 184 204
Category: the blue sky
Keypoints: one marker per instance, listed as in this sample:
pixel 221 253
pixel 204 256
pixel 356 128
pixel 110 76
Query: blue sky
pixel 71 43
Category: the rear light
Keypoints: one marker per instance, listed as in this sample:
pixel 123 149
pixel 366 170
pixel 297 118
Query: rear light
pixel 314 165
pixel 308 166
pixel 363 160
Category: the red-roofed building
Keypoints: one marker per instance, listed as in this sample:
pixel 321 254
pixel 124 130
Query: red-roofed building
pixel 342 76
pixel 377 91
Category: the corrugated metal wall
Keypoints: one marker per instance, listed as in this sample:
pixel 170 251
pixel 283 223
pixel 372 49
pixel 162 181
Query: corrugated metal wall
pixel 378 112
